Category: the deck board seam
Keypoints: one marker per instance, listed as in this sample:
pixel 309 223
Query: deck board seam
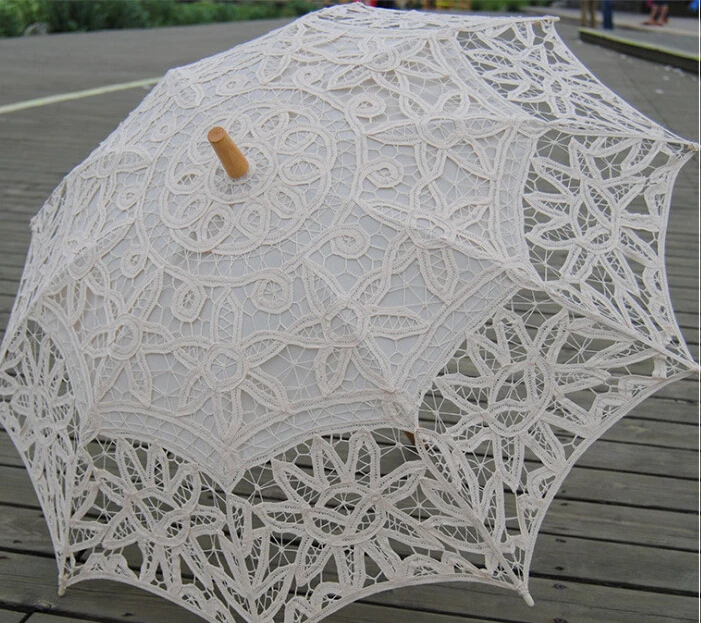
pixel 620 585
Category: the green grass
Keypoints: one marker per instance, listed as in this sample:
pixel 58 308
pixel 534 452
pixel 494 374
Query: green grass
pixel 85 15
pixel 16 15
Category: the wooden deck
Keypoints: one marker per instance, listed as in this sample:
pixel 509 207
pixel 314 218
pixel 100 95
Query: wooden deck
pixel 620 543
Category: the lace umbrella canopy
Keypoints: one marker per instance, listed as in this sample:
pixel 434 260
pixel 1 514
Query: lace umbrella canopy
pixel 371 361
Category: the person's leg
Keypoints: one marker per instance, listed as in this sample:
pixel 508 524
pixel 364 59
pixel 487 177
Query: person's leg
pixel 607 10
pixel 592 13
pixel 588 13
pixel 664 11
pixel 652 20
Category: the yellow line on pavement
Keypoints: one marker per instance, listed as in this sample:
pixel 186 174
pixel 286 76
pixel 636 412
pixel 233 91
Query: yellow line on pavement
pixel 75 95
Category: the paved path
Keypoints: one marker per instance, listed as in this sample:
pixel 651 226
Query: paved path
pixel 619 545
pixel 680 33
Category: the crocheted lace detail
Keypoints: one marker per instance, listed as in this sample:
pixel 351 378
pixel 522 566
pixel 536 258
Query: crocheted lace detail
pixel 449 229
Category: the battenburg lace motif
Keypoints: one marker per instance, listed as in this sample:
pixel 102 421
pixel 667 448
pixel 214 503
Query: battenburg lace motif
pixel 448 228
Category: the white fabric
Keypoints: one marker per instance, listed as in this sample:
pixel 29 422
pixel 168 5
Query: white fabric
pixel 449 228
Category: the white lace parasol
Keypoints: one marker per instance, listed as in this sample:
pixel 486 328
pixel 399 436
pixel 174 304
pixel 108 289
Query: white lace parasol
pixel 370 361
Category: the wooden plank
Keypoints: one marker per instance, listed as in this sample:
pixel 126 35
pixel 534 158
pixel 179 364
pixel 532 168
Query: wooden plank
pixel 681 247
pixel 11 616
pixel 19 224
pixel 656 422
pixel 650 432
pixel 8 452
pixel 623 524
pixel 634 489
pixel 17 490
pixel 9 288
pixel 28 581
pixel 353 612
pixel 688 320
pixel 73 59
pixel 686 389
pixel 684 299
pixel 668 443
pixel 25 530
pixel 614 459
pixel 17 487
pixel 630 489
pixel 31 582
pixel 597 521
pixel 623 457
pixel 679 253
pixel 558 601
pixel 52 618
pixel 607 562
pixel 666 410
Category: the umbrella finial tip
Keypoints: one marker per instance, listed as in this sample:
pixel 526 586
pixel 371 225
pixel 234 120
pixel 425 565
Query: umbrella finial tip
pixel 231 158
pixel 216 134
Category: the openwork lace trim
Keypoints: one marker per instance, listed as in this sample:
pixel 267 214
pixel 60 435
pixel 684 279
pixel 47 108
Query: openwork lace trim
pixel 339 516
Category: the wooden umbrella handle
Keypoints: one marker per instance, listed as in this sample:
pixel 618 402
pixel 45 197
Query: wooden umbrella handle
pixel 233 161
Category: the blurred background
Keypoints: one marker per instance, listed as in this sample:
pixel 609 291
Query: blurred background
pixel 24 17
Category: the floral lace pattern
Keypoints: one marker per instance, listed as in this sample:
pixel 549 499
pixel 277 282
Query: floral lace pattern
pixel 370 362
